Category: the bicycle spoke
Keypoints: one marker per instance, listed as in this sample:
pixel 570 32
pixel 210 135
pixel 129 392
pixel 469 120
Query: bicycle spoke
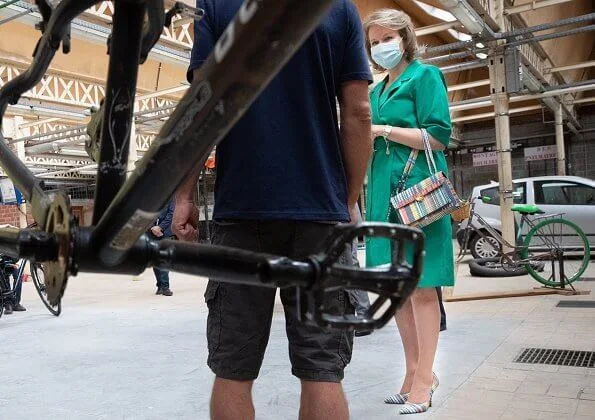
pixel 561 243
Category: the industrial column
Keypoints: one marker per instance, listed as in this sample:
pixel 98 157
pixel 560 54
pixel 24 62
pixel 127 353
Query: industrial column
pixel 13 130
pixel 500 99
pixel 560 151
pixel 133 146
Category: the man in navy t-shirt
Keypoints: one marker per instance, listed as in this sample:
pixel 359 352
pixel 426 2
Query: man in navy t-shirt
pixel 286 174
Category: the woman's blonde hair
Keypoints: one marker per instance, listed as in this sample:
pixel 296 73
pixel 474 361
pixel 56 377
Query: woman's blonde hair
pixel 397 21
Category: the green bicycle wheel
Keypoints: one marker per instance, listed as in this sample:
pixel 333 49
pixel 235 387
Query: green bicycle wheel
pixel 554 240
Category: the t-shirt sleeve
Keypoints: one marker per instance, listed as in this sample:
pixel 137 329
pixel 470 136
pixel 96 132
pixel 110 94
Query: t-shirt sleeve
pixel 431 104
pixel 205 37
pixel 355 62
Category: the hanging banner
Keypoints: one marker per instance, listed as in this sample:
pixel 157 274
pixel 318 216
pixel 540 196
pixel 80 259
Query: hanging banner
pixel 7 190
pixel 540 153
pixel 485 159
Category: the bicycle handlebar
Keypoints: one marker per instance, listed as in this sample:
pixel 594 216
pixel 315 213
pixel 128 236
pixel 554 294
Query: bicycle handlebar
pixel 313 277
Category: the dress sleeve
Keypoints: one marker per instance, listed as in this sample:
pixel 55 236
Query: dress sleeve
pixel 205 37
pixel 431 104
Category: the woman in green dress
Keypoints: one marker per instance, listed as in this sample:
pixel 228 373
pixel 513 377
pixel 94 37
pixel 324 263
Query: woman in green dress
pixel 413 96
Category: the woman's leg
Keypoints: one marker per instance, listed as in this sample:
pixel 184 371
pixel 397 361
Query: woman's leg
pixel 426 312
pixel 407 329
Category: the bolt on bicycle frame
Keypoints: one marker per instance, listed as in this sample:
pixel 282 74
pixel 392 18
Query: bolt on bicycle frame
pixel 226 85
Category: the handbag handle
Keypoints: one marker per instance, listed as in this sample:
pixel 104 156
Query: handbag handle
pixel 428 149
pixel 413 157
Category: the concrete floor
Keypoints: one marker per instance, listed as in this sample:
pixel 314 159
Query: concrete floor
pixel 120 352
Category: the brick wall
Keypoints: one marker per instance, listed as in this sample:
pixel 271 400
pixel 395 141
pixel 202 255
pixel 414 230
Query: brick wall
pixel 10 214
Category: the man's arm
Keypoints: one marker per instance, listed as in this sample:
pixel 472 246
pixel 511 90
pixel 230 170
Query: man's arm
pixel 354 103
pixel 185 217
pixel 166 221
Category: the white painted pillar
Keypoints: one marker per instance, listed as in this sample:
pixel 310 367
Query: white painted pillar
pixel 500 99
pixel 13 130
pixel 560 150
pixel 133 146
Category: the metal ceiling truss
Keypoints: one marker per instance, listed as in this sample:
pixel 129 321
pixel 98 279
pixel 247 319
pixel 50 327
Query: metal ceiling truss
pixel 54 162
pixel 58 88
pixel 479 17
pixel 179 34
pixel 174 46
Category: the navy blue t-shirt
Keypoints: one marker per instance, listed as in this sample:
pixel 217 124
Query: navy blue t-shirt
pixel 283 159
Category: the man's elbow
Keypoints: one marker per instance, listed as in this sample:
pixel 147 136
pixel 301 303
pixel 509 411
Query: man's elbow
pixel 358 112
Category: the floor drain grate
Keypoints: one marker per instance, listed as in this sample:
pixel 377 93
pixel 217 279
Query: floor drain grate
pixel 575 358
pixel 576 304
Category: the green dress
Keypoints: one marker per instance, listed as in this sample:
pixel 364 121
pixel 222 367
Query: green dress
pixel 417 99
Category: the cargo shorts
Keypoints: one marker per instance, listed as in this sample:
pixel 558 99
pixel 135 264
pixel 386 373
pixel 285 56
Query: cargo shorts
pixel 240 316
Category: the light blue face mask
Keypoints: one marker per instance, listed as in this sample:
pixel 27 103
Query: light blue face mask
pixel 387 54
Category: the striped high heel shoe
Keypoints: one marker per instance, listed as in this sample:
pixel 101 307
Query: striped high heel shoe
pixel 397 398
pixel 401 398
pixel 412 408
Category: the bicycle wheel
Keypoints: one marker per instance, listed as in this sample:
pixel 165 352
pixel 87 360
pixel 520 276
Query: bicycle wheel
pixel 38 276
pixel 552 241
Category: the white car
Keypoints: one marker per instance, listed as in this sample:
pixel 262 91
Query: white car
pixel 571 195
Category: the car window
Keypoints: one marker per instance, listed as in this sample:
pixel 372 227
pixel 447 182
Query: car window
pixel 564 193
pixel 519 194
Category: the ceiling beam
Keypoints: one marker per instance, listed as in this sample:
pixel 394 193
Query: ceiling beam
pixel 571 67
pixel 533 5
pixel 438 27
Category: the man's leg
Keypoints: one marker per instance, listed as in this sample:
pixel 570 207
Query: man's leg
pixel 239 323
pixel 318 356
pixel 157 273
pixel 232 400
pixel 162 278
pixel 323 400
pixel 18 287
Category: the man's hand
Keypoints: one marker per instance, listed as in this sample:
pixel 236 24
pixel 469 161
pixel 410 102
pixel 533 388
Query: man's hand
pixel 185 221
pixel 156 230
pixel 354 214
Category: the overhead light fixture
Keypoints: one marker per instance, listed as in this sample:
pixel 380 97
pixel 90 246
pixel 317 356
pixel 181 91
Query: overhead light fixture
pixel 481 56
pixel 465 14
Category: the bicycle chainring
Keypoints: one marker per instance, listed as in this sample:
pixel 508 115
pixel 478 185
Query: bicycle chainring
pixel 59 222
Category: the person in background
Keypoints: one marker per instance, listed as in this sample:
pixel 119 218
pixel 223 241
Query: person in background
pixel 286 174
pixel 162 230
pixel 412 97
pixel 10 267
pixel 359 298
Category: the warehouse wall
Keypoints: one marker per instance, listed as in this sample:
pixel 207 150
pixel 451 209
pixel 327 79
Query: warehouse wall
pixel 580 155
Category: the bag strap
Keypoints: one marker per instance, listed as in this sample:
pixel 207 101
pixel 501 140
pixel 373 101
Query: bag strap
pixel 407 171
pixel 428 149
pixel 411 163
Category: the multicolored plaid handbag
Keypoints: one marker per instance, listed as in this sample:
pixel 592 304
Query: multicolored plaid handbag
pixel 428 200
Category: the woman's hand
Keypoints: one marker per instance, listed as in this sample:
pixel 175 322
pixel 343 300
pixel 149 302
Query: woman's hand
pixel 380 130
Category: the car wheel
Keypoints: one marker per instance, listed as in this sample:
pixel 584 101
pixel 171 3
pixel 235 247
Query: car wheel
pixel 484 247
